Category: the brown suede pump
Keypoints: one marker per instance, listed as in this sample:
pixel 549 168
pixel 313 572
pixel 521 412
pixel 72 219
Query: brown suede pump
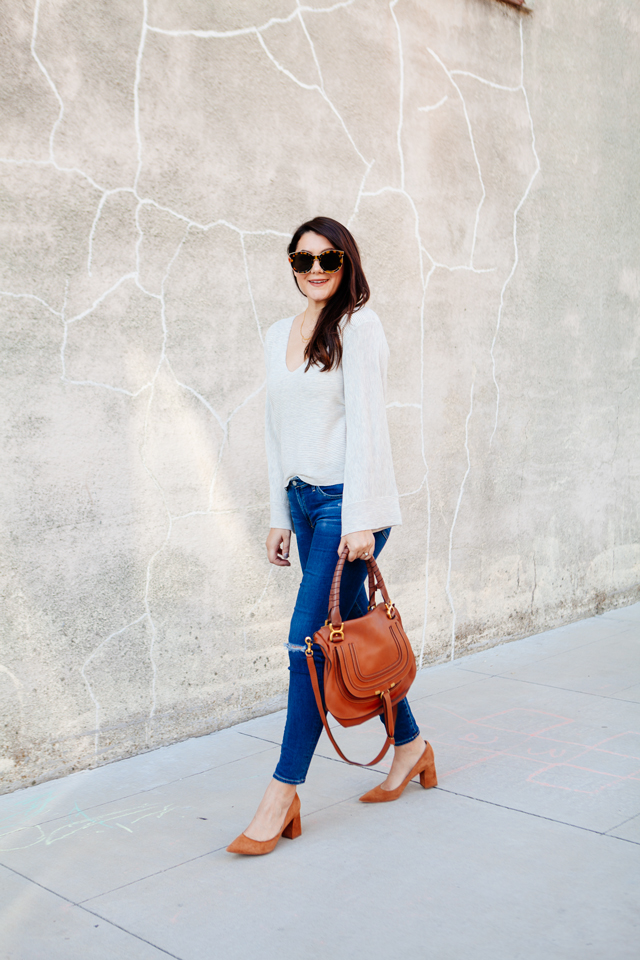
pixel 425 766
pixel 255 848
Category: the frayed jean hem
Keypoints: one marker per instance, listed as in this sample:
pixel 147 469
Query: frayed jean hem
pixel 293 783
pixel 403 743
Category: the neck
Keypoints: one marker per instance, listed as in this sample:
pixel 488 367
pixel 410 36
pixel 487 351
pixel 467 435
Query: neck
pixel 312 312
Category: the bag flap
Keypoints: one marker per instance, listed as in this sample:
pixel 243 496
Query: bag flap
pixel 374 654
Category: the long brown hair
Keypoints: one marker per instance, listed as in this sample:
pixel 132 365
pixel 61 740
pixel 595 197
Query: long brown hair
pixel 325 346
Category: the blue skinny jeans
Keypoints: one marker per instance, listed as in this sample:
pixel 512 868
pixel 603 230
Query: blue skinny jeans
pixel 317 519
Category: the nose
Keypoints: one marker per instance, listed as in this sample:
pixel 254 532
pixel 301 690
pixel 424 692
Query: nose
pixel 316 268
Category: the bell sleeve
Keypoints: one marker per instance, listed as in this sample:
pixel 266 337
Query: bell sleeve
pixel 370 497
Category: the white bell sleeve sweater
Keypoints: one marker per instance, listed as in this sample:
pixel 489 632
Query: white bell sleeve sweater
pixel 331 427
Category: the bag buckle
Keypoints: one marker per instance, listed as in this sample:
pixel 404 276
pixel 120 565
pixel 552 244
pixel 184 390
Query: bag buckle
pixel 308 652
pixel 336 633
pixel 391 610
pixel 381 693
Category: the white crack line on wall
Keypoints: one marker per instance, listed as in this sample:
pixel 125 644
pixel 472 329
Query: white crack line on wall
pixel 434 106
pixel 455 517
pixel 516 255
pixel 103 199
pixel 459 266
pixel 136 91
pixel 31 296
pixel 424 282
pixel 224 426
pixel 435 264
pixel 106 193
pixel 116 633
pixel 392 9
pixel 81 316
pixel 242 234
pixel 311 44
pixel 52 160
pixel 425 610
pixel 450 75
pixel 258 33
pixel 247 31
pixel 54 90
pixel 135 276
pixel 473 148
pixel 140 205
pixel 519 89
pixel 320 89
pixel 368 163
pixel 147 614
pixel 154 634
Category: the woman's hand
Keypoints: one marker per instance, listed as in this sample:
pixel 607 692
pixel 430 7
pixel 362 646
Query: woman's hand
pixel 361 545
pixel 278 543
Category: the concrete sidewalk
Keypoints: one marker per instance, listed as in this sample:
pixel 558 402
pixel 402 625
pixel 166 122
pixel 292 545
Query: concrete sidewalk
pixel 529 848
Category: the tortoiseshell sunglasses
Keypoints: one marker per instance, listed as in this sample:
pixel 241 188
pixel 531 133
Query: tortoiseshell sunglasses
pixel 330 261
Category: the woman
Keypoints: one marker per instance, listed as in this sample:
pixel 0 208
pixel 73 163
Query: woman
pixel 332 483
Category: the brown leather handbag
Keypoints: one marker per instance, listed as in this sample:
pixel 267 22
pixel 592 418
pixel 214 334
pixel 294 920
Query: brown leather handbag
pixel 368 663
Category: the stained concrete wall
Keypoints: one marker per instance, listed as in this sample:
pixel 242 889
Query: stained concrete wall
pixel 155 158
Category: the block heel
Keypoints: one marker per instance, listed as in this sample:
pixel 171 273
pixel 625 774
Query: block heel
pixel 293 829
pixel 428 776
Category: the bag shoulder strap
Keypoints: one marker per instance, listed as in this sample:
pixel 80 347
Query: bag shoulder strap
pixel 389 713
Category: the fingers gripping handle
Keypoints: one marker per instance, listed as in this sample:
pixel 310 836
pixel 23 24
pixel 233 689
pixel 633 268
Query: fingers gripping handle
pixel 376 582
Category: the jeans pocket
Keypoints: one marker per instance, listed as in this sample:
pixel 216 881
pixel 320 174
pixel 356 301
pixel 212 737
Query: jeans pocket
pixel 333 492
pixel 385 533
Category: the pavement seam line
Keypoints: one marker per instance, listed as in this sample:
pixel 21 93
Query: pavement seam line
pixel 254 736
pixel 549 656
pixel 79 905
pixel 538 683
pixel 149 876
pixel 618 825
pixel 539 816
pixel 129 932
pixel 505 643
pixel 157 786
pixel 200 856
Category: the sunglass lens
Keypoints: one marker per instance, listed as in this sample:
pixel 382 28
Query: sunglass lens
pixel 330 261
pixel 302 262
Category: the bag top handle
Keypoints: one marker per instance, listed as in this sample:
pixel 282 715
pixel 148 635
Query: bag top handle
pixel 375 583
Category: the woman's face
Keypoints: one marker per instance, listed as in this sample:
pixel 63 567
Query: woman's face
pixel 317 285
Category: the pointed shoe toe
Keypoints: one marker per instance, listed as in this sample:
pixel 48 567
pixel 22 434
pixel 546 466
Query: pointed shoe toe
pixel 254 848
pixel 428 778
pixel 378 795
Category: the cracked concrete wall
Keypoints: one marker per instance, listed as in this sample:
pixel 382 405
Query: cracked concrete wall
pixel 155 158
